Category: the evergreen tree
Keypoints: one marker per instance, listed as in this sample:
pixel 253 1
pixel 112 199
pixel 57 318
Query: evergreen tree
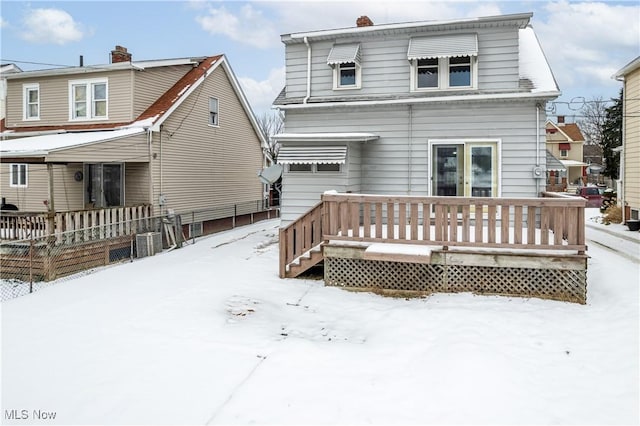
pixel 612 138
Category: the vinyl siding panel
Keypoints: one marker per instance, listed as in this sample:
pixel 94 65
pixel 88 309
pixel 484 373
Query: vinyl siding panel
pixel 54 99
pixel 386 71
pixel 631 107
pixel 131 149
pixel 152 83
pixel 136 178
pixel 394 164
pixel 68 193
pixel 304 189
pixel 205 166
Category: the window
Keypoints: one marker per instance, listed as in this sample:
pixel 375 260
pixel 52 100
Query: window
pixel 213 111
pixel 315 168
pixel 31 102
pixel 443 73
pixel 18 175
pixel 563 153
pixel 88 99
pixel 345 61
pixel 427 73
pixel 460 71
pixel 300 168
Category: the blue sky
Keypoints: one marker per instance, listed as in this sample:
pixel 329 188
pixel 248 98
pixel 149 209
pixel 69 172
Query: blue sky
pixel 585 42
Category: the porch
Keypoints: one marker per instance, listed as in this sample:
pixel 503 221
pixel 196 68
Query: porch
pixel 531 247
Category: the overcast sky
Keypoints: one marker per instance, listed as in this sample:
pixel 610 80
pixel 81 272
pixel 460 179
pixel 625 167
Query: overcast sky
pixel 585 42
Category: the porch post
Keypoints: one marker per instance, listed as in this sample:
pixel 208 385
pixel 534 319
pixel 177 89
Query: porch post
pixel 49 272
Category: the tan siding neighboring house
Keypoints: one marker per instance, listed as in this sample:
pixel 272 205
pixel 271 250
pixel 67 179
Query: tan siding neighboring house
pixel 151 83
pixel 229 156
pixel 157 140
pixel 55 99
pixel 630 173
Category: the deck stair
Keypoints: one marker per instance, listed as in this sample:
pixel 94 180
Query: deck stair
pixel 301 243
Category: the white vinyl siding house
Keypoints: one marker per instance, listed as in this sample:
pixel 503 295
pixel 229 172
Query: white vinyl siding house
pixel 453 108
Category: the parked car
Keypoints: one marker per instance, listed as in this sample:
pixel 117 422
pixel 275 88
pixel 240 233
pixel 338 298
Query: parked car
pixel 592 194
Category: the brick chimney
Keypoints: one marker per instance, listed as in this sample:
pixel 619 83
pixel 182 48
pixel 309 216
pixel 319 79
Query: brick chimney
pixel 561 119
pixel 120 54
pixel 364 21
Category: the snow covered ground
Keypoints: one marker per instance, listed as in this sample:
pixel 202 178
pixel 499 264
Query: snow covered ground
pixel 209 334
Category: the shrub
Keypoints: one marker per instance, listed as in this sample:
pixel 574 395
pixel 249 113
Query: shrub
pixel 613 214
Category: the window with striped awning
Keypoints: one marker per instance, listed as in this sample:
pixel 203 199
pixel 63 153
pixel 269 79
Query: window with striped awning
pixel 445 46
pixel 344 53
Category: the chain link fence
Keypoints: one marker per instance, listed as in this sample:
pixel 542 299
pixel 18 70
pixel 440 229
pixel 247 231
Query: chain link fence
pixel 29 265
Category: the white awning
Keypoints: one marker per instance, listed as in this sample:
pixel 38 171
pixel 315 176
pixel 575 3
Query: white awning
pixel 344 53
pixel 553 163
pixel 35 146
pixel 573 163
pixel 445 46
pixel 312 155
pixel 325 137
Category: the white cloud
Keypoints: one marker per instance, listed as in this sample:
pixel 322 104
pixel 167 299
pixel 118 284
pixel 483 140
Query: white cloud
pixel 50 26
pixel 249 26
pixel 3 23
pixel 261 94
pixel 586 43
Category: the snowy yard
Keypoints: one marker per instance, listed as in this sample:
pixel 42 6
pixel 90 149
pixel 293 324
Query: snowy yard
pixel 209 334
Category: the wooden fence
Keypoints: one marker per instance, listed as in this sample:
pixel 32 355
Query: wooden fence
pixel 106 223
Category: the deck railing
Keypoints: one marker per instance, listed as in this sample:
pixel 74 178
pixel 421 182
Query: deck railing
pixel 106 223
pixel 500 223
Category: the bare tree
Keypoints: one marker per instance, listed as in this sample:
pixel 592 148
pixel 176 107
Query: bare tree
pixel 594 113
pixel 271 124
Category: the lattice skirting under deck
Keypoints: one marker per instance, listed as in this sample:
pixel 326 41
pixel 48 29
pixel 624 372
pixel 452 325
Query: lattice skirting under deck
pixel 565 285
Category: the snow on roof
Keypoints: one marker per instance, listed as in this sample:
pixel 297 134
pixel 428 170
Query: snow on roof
pixel 533 64
pixel 325 136
pixel 42 145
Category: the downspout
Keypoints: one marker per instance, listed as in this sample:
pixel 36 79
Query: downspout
pixel 306 98
pixel 160 194
pixel 538 147
pixel 149 144
pixel 621 169
pixel 410 147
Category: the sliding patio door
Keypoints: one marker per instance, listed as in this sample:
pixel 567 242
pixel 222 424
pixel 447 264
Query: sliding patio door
pixel 464 169
pixel 104 185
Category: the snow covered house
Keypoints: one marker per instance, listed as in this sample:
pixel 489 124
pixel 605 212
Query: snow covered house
pixel 452 108
pixel 168 134
pixel 414 161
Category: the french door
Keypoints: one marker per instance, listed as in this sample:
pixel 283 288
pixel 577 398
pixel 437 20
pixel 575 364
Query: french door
pixel 466 168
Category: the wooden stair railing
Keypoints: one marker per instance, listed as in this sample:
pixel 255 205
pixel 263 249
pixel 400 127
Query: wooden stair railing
pixel 300 243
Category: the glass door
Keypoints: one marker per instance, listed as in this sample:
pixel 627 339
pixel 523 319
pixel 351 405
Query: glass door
pixel 105 186
pixel 448 167
pixel 481 177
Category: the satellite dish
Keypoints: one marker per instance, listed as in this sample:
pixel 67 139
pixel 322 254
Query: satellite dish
pixel 271 174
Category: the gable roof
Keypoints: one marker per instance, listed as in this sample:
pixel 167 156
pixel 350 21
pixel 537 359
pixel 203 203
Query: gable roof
pixel 162 108
pixel 570 130
pixel 630 67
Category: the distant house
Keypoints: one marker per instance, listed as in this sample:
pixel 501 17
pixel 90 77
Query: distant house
pixel 175 134
pixel 630 160
pixel 565 142
pixel 454 108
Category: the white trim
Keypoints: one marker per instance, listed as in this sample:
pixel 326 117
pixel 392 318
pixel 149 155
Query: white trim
pixel 464 142
pixel 26 88
pixel 431 99
pixel 89 84
pixel 26 175
pixel 336 77
pixel 444 74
